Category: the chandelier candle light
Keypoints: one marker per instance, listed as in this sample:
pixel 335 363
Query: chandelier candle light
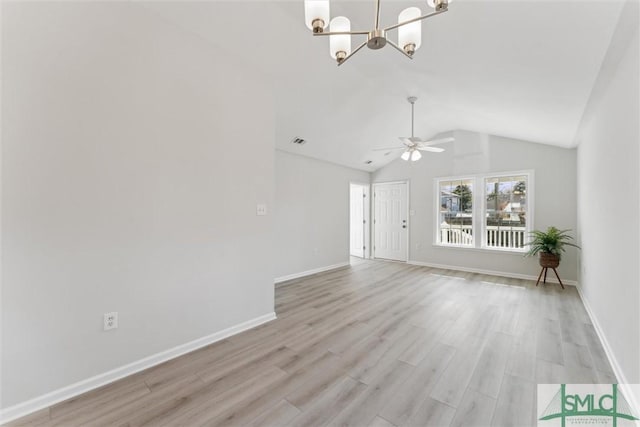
pixel 317 18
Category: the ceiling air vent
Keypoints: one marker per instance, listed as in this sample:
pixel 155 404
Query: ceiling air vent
pixel 298 141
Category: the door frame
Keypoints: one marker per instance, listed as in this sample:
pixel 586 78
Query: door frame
pixel 373 215
pixel 368 251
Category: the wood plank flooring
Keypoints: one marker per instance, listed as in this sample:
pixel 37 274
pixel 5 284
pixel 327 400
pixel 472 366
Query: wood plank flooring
pixel 375 344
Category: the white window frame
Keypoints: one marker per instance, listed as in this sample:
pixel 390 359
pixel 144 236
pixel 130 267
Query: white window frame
pixel 529 212
pixel 437 234
pixel 479 223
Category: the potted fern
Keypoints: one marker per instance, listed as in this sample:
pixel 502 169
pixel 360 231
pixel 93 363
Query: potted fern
pixel 549 245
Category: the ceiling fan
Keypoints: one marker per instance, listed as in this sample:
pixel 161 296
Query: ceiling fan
pixel 413 145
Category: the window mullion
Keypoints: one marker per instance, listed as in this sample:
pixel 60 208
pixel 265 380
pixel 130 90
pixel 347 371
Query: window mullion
pixel 478 207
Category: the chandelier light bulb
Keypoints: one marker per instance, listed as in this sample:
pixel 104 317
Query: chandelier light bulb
pixel 405 156
pixel 415 155
pixel 410 35
pixel 316 14
pixel 340 44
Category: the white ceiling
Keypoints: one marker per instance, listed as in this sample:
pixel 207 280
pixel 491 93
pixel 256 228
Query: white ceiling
pixel 520 69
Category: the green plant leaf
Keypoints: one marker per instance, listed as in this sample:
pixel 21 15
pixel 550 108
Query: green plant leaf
pixel 552 241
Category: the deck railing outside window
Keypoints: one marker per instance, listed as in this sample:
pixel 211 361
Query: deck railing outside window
pixel 505 237
pixel 497 236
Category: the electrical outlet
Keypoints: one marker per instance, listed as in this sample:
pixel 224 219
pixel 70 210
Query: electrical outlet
pixel 110 320
pixel 261 209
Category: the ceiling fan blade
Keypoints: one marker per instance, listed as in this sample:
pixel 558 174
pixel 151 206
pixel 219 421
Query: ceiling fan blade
pixel 389 148
pixel 432 149
pixel 438 141
pixel 409 139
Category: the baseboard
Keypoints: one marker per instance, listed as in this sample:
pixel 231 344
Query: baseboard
pixel 310 272
pixel 617 370
pixel 490 272
pixel 46 400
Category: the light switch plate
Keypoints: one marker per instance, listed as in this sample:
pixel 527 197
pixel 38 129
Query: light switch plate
pixel 412 212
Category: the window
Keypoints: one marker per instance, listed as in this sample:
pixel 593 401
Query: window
pixel 455 212
pixel 498 217
pixel 505 212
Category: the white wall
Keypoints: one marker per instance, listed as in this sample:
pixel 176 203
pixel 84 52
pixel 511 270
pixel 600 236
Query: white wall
pixel 609 198
pixel 311 213
pixel 131 169
pixel 472 153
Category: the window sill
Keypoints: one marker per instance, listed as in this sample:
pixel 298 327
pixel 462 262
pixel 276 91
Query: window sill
pixel 487 250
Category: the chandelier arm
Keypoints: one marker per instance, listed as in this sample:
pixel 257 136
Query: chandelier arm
pixel 410 21
pixel 341 33
pixel 399 50
pixel 352 53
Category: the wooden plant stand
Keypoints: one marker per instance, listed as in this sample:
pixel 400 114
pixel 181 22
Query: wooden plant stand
pixel 544 270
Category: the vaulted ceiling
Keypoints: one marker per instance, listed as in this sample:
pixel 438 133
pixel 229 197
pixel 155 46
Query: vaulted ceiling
pixel 520 69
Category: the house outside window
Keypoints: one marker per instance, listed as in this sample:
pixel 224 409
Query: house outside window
pixel 497 217
pixel 455 212
pixel 505 212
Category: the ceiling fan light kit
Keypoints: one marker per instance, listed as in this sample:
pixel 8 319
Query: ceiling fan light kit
pixel 317 18
pixel 412 155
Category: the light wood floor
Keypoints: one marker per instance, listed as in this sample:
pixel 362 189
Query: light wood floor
pixel 379 344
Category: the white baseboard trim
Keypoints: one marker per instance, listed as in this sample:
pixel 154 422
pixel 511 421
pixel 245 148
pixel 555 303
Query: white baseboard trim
pixel 490 272
pixel 310 272
pixel 25 408
pixel 617 370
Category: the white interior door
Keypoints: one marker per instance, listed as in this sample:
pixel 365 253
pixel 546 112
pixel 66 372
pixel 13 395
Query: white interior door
pixel 390 221
pixel 357 221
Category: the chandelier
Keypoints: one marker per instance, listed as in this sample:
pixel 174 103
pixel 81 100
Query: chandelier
pixel 317 18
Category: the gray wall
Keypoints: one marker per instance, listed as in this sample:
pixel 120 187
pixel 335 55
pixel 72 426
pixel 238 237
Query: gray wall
pixel 472 153
pixel 609 198
pixel 311 213
pixel 125 187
